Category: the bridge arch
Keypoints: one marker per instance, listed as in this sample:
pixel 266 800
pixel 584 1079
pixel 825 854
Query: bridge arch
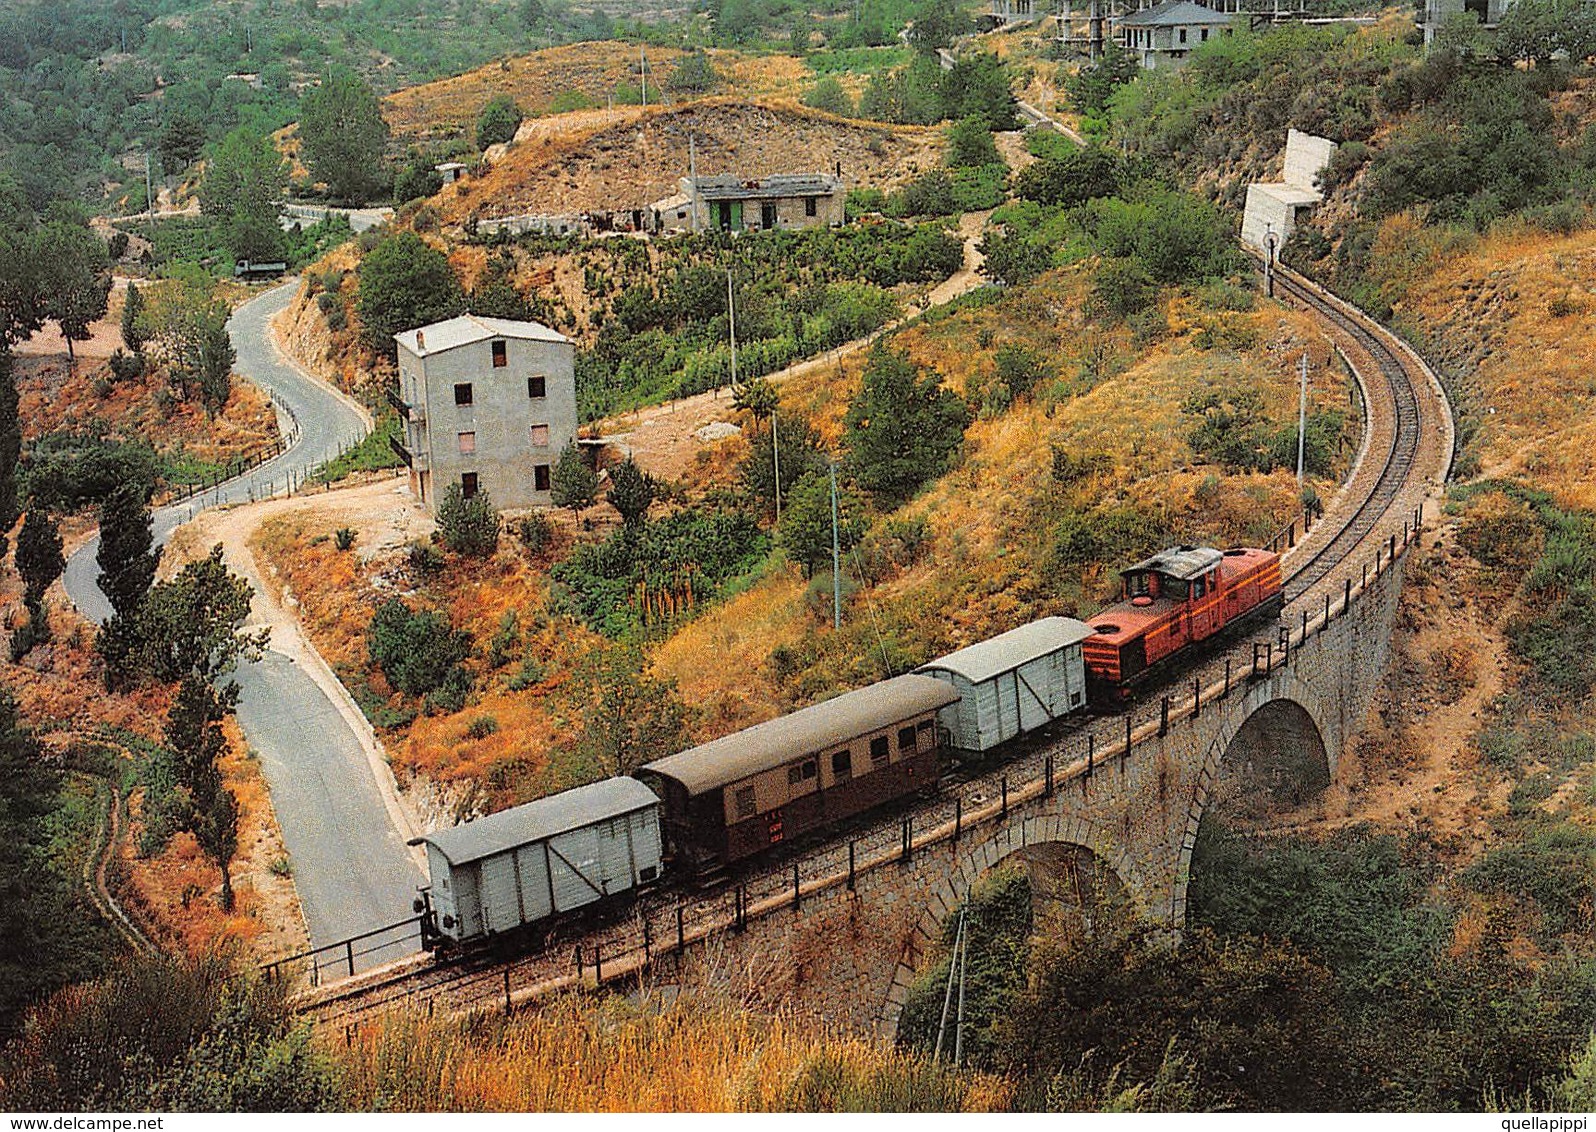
pixel 1282 711
pixel 981 857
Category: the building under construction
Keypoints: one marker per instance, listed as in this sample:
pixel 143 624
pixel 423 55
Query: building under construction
pixel 1161 34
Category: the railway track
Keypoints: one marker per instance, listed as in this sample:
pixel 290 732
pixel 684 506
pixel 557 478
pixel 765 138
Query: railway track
pixel 1383 487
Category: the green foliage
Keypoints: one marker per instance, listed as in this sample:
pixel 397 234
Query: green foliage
pixel 628 716
pixel 1020 369
pixel 1012 255
pixel 468 526
pixel 127 555
pixel 344 538
pixel 342 136
pixel 535 532
pixel 199 803
pixel 132 310
pixel 573 483
pixel 1537 31
pixel 38 558
pixel 901 429
pixel 998 935
pixel 420 653
pixel 186 326
pixel 659 571
pixel 1072 178
pixel 75 274
pixel 496 295
pixel 190 624
pixel 922 93
pixel 800 451
pixel 1176 237
pixel 694 74
pixel 64 471
pixel 1091 87
pixel 417 177
pixel 171 1035
pixel 1230 429
pixel 805 531
pixel 498 122
pixel 244 180
pixel 405 283
pixel 372 454
pixel 970 144
pixel 830 96
pixel 632 492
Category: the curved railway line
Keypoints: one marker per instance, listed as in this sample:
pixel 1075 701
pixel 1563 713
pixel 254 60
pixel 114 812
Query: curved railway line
pixel 1405 456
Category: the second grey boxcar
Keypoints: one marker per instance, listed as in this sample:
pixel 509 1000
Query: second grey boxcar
pixel 1013 683
pixel 556 855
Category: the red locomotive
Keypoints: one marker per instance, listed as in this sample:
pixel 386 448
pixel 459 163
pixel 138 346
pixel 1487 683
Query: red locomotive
pixel 1174 600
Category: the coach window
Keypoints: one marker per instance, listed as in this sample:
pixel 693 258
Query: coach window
pixel 501 357
pixel 842 764
pixel 803 772
pixel 905 739
pixel 746 807
pixel 879 751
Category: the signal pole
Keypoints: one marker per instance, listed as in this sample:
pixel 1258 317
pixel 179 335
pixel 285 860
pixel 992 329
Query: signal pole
pixel 1302 419
pixel 775 455
pixel 836 556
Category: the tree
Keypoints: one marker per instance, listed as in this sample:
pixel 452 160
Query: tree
pixel 10 447
pixel 628 717
pixel 632 492
pixel 799 449
pixel 805 530
pixel 468 526
pixel 181 140
pixel 1012 256
pixel 187 331
pixel 191 624
pixel 573 484
pixel 342 135
pixel 901 429
pixel 244 180
pixel 496 294
pixel 978 86
pixel 936 25
pixel 127 556
pixel 498 122
pixel 970 145
pixel 694 74
pixel 206 808
pixel 829 95
pixel 756 397
pixel 39 559
pixel 1071 179
pixel 133 336
pixel 405 283
pixel 1093 85
pixel 416 178
pixel 76 277
pixel 419 653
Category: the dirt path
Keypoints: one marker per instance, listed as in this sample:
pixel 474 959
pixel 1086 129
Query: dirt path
pixel 665 439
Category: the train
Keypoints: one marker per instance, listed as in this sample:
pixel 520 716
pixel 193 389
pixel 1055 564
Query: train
pixel 695 815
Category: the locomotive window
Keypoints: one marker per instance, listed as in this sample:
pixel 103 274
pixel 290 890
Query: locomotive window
pixel 1173 588
pixel 879 751
pixel 842 764
pixel 1136 585
pixel 746 807
pixel 1199 587
pixel 905 738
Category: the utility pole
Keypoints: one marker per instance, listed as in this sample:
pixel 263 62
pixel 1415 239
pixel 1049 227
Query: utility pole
pixel 947 996
pixel 775 455
pixel 692 176
pixel 149 193
pixel 1302 420
pixel 836 556
pixel 731 314
pixel 1269 260
pixel 642 72
pixel 958 1027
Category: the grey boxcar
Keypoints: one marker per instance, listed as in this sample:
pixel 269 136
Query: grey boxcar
pixel 1014 682
pixel 555 855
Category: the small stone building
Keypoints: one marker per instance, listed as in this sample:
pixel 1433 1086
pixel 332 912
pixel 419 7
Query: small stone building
pixel 728 203
pixel 487 403
pixel 1273 208
pixel 1164 36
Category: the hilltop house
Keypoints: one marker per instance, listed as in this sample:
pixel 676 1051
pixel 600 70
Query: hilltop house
pixel 1163 36
pixel 728 203
pixel 487 403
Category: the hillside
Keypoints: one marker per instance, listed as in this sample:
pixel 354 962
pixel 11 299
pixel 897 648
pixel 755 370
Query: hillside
pixel 629 158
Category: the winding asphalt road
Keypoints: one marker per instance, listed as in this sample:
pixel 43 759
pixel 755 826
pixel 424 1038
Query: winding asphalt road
pixel 351 867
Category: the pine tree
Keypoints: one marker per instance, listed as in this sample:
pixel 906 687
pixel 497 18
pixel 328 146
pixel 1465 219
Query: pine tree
pixel 632 492
pixel 573 484
pixel 10 447
pixel 128 555
pixel 133 335
pixel 901 429
pixel 195 738
pixel 40 563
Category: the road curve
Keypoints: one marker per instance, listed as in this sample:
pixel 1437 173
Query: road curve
pixel 351 868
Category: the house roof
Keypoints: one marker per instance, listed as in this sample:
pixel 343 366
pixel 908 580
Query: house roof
pixel 1008 651
pixel 808 731
pixel 539 820
pixel 1172 13
pixel 726 186
pixel 468 328
pixel 1184 562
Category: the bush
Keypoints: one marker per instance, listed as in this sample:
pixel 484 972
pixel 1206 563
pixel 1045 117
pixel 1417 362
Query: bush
pixel 425 561
pixel 481 727
pixel 419 653
pixel 829 95
pixel 498 122
pixel 344 538
pixel 535 532
pixel 125 366
pixel 468 526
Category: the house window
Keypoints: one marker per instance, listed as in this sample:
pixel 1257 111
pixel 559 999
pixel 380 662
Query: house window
pixel 462 393
pixel 842 764
pixel 879 751
pixel 1203 36
pixel 501 356
pixel 468 444
pixel 803 772
pixel 810 206
pixel 767 215
pixel 905 739
pixel 537 387
pixel 540 436
pixel 1183 35
pixel 746 807
pixel 468 484
pixel 540 477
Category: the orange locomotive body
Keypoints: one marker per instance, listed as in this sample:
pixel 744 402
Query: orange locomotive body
pixel 1177 598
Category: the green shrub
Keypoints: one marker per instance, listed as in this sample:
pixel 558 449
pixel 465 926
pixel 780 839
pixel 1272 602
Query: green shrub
pixel 344 538
pixel 419 653
pixel 468 526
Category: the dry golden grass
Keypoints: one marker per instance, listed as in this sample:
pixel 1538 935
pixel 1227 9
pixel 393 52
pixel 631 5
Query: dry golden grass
pixel 698 1054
